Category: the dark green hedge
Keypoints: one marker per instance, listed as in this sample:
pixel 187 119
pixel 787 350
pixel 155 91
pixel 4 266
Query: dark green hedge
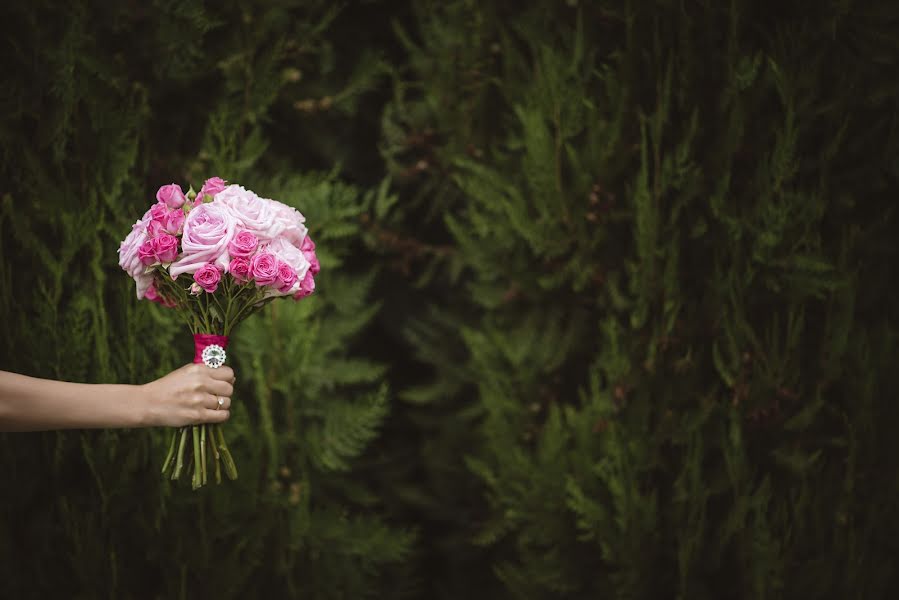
pixel 606 307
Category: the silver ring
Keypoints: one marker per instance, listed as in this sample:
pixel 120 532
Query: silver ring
pixel 221 403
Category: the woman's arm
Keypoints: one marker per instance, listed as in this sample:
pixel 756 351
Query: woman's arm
pixel 185 396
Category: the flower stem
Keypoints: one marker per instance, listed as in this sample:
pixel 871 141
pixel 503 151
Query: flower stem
pixel 230 467
pixel 203 452
pixel 195 433
pixel 179 464
pixel 169 458
pixel 213 451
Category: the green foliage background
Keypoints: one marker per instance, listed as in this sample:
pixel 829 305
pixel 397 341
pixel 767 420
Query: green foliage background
pixel 606 304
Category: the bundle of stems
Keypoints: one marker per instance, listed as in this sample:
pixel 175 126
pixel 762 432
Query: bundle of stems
pixel 193 446
pixel 207 442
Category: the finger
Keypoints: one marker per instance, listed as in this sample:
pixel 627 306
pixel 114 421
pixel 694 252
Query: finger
pixel 223 373
pixel 216 416
pixel 218 388
pixel 211 402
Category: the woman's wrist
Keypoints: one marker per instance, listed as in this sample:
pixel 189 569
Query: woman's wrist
pixel 145 413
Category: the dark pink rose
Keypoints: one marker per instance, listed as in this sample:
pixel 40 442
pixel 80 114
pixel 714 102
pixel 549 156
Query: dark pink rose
pixel 307 286
pixel 159 211
pixel 243 245
pixel 308 249
pixel 239 269
pixel 174 222
pixel 171 195
pixel 314 267
pixel 264 268
pixel 211 186
pixel 166 247
pixel 208 277
pixel 146 253
pixel 155 228
pixel 287 277
pixel 154 296
pixel 165 220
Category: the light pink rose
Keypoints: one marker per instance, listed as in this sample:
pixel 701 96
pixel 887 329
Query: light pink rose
pixel 307 286
pixel 208 277
pixel 239 269
pixel 129 259
pixel 208 229
pixel 212 187
pixel 293 222
pixel 174 222
pixel 252 212
pixel 146 253
pixel 266 219
pixel 243 245
pixel 264 268
pixel 195 289
pixel 291 255
pixel 165 246
pixel 171 195
pixel 287 278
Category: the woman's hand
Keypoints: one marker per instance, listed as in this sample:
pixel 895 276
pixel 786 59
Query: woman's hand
pixel 189 395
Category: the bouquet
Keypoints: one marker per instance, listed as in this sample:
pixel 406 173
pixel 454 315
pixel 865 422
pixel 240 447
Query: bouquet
pixel 216 257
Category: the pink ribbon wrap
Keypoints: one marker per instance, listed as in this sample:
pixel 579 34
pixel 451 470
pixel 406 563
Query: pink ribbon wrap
pixel 201 340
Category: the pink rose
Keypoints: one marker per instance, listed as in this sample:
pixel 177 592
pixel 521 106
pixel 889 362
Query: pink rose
pixel 146 253
pixel 293 222
pixel 165 246
pixel 195 289
pixel 264 268
pixel 314 267
pixel 151 294
pixel 129 258
pixel 212 187
pixel 308 248
pixel 174 222
pixel 154 296
pixel 208 277
pixel 155 228
pixel 171 195
pixel 243 245
pixel 291 255
pixel 307 286
pixel 159 211
pixel 208 229
pixel 261 217
pixel 239 269
pixel 165 220
pixel 287 278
